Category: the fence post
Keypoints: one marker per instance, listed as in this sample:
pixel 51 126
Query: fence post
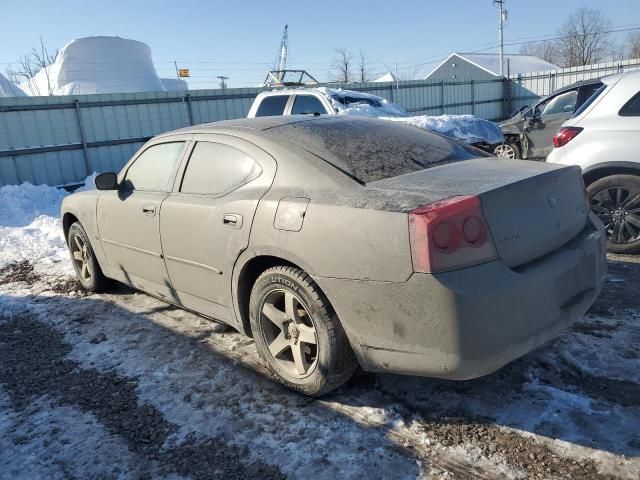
pixel 473 97
pixel 506 96
pixel 83 138
pixel 189 109
pixel 442 96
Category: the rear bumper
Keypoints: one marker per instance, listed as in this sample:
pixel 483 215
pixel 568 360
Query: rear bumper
pixel 471 322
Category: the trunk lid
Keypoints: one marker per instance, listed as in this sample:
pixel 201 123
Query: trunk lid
pixel 531 208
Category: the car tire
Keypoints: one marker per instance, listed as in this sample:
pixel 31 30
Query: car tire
pixel 84 260
pixel 616 201
pixel 288 312
pixel 510 150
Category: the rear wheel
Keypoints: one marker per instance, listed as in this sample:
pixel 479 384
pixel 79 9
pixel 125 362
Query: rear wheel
pixel 298 334
pixel 84 260
pixel 508 150
pixel 616 201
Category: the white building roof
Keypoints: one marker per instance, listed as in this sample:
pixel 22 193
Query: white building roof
pixel 514 64
pixel 387 77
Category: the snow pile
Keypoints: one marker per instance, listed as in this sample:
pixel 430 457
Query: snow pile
pixel 30 227
pixel 9 89
pixel 466 128
pixel 97 65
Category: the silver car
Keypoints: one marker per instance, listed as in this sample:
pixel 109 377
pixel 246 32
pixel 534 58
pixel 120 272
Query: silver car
pixel 337 241
pixel 603 138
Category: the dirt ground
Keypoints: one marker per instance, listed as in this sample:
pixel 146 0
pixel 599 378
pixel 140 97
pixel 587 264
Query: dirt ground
pixel 121 385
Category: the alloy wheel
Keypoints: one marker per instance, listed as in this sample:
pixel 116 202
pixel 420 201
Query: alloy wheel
pixel 81 257
pixel 289 333
pixel 505 151
pixel 619 210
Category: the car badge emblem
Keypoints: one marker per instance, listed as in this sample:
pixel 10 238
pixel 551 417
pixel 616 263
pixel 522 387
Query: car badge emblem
pixel 553 201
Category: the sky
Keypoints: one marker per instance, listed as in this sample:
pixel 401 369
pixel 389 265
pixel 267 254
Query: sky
pixel 240 39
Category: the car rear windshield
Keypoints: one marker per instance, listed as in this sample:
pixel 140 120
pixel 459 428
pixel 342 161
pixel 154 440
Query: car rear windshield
pixel 368 150
pixel 347 100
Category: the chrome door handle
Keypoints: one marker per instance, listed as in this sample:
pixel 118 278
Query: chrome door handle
pixel 149 210
pixel 232 220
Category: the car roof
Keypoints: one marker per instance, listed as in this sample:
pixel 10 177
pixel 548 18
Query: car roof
pixel 591 81
pixel 628 76
pixel 256 124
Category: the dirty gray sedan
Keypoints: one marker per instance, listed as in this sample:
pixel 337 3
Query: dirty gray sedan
pixel 338 241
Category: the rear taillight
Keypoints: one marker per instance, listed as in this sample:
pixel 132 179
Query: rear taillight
pixel 450 234
pixel 565 135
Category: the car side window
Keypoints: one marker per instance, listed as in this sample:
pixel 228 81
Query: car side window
pixel 307 105
pixel 632 107
pixel 562 103
pixel 215 169
pixel 153 169
pixel 272 105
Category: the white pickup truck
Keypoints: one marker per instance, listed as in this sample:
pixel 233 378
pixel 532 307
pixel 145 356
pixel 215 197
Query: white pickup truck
pixel 322 100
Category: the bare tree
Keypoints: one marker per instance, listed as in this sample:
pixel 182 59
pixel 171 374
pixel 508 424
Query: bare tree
pixel 29 65
pixel 584 38
pixel 546 50
pixel 341 67
pixel 633 45
pixel 410 73
pixel 364 72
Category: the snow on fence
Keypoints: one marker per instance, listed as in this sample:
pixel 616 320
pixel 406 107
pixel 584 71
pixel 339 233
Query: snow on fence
pixel 526 89
pixel 60 140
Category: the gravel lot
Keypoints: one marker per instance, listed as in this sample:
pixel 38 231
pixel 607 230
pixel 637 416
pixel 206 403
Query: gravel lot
pixel 121 385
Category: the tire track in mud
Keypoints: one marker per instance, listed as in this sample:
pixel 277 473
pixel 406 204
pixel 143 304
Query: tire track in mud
pixel 34 363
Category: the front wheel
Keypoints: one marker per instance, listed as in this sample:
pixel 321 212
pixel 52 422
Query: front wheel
pixel 507 150
pixel 84 260
pixel 616 201
pixel 298 334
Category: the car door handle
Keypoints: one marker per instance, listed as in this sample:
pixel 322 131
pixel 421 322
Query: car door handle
pixel 149 210
pixel 232 220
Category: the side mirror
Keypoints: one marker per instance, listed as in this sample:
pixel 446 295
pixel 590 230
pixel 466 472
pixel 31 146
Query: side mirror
pixel 569 108
pixel 106 181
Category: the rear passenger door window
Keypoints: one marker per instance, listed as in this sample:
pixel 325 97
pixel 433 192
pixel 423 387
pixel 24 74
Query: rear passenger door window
pixel 272 105
pixel 307 105
pixel 632 107
pixel 216 169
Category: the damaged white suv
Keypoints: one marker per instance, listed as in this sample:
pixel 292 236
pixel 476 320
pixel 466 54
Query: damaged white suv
pixel 469 129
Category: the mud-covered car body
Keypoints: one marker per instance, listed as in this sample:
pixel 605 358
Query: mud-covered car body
pixel 351 202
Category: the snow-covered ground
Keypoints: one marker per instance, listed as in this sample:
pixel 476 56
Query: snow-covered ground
pixel 121 385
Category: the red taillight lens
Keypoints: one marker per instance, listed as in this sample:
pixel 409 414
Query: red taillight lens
pixel 565 135
pixel 450 234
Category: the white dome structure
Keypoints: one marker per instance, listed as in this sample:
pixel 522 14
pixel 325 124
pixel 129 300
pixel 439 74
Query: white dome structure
pixel 97 65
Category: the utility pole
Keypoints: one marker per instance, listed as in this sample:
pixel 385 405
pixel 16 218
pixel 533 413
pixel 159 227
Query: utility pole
pixel 222 79
pixel 503 17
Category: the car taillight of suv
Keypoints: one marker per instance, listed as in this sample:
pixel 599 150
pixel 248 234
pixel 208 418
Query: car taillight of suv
pixel 565 135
